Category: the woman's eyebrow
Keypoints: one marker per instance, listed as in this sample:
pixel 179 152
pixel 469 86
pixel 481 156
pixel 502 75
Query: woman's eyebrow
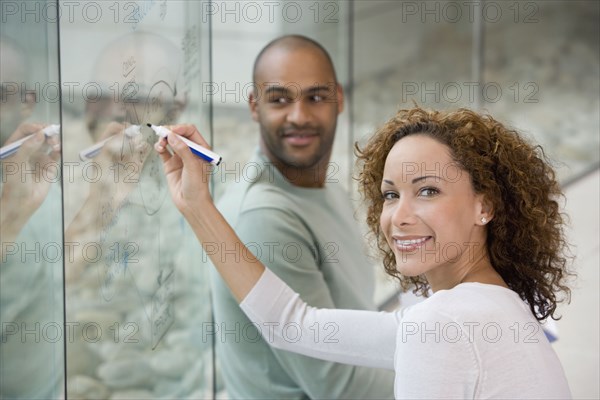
pixel 420 178
pixel 415 180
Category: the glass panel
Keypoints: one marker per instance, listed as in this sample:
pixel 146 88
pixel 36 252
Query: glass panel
pixel 541 68
pixel 137 298
pixel 236 135
pixel 409 51
pixel 423 54
pixel 31 280
pixel 240 31
pixel 537 69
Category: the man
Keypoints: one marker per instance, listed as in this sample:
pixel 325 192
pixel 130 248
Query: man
pixel 299 226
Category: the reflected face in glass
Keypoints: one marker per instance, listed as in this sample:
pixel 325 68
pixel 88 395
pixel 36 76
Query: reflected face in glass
pixel 135 105
pixel 296 103
pixel 137 77
pixel 16 102
pixel 430 211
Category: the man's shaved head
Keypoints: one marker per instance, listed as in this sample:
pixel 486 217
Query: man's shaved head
pixel 296 100
pixel 289 43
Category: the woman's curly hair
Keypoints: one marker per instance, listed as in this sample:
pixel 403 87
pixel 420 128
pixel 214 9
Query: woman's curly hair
pixel 525 239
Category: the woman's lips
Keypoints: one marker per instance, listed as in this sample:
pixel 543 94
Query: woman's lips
pixel 410 244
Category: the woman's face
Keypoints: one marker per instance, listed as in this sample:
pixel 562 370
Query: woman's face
pixel 431 216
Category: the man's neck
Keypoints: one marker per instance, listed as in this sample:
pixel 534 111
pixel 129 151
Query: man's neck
pixel 311 177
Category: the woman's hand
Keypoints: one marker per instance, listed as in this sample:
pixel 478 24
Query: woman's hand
pixel 187 175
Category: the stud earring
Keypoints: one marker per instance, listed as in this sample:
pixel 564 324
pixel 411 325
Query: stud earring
pixel 484 220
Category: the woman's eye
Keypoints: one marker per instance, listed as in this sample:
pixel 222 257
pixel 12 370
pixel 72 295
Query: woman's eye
pixel 428 192
pixel 389 195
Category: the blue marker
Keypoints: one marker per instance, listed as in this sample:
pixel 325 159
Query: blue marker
pixel 94 150
pixel 10 149
pixel 198 150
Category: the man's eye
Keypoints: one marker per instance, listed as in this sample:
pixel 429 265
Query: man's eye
pixel 317 98
pixel 278 100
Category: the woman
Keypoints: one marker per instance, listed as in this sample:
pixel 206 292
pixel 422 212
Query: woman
pixel 458 204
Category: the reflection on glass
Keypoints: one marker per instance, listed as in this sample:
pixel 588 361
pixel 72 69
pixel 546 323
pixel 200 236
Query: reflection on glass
pixel 135 295
pixel 541 64
pixel 422 59
pixel 539 72
pixel 236 138
pixel 31 318
pixel 235 131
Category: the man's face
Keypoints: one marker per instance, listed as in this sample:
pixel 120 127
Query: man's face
pixel 135 88
pixel 16 105
pixel 296 103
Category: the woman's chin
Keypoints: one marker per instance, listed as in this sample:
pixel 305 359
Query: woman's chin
pixel 409 271
pixel 413 267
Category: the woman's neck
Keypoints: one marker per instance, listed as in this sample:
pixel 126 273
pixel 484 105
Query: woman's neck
pixel 478 269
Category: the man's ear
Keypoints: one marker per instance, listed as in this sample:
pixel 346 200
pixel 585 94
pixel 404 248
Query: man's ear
pixel 253 104
pixel 27 105
pixel 340 97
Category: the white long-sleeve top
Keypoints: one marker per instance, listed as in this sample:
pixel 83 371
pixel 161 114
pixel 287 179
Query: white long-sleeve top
pixel 472 341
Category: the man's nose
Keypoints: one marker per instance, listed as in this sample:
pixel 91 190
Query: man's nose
pixel 299 113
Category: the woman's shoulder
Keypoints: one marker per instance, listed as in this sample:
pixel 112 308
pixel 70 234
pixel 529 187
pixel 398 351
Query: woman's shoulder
pixel 472 301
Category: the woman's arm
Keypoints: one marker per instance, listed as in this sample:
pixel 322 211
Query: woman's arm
pixel 25 187
pixel 348 336
pixel 188 179
pixel 364 338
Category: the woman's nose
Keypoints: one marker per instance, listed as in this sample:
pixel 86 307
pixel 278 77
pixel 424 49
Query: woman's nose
pixel 403 213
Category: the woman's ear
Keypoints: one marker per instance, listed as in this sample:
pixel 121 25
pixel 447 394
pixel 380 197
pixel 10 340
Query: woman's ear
pixel 486 211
